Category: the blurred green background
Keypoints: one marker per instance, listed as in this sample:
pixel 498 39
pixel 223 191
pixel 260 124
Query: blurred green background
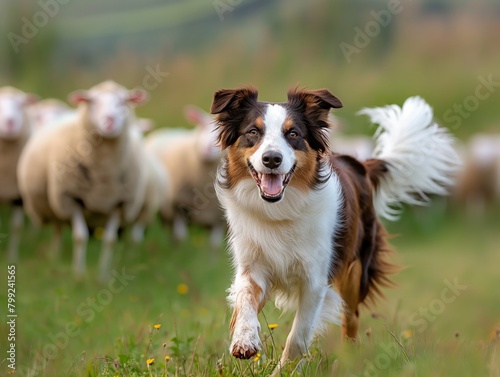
pixel 434 48
pixel 443 50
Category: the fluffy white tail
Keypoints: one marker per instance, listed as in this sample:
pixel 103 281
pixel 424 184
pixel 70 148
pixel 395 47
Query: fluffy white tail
pixel 420 155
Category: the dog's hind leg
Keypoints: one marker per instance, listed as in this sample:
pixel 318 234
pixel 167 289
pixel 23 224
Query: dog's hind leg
pixel 348 284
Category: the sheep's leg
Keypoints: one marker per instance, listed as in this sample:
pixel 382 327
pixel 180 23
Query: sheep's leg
pixel 16 226
pixel 216 236
pixel 80 238
pixel 180 228
pixel 109 240
pixel 138 232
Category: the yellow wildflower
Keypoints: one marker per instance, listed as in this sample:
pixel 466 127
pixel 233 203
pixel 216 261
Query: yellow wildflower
pixel 150 361
pixel 256 358
pixel 272 326
pixel 167 359
pixel 407 334
pixel 157 326
pixel 182 289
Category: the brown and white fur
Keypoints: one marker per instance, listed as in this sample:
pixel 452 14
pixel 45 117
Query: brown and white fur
pixel 302 220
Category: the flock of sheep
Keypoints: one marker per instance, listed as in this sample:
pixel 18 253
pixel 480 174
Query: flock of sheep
pixel 93 167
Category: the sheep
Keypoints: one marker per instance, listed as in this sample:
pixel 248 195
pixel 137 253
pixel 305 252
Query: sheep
pixel 32 176
pixel 358 146
pixel 140 125
pixel 156 188
pixel 48 111
pixel 87 171
pixel 479 181
pixel 15 130
pixel 190 159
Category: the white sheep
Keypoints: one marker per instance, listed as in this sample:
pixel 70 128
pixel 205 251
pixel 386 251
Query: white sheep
pixel 32 178
pixel 358 146
pixel 478 183
pixel 87 171
pixel 47 112
pixel 156 188
pixel 15 130
pixel 190 159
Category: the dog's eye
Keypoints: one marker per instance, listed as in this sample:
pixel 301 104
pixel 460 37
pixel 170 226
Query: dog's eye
pixel 253 132
pixel 293 134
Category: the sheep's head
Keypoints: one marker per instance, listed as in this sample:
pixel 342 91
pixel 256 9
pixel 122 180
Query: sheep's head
pixel 109 106
pixel 46 112
pixel 13 103
pixel 207 145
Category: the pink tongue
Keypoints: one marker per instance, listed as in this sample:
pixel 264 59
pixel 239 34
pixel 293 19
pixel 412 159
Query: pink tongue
pixel 271 184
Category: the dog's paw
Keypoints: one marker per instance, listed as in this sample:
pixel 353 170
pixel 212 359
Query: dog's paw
pixel 243 351
pixel 246 344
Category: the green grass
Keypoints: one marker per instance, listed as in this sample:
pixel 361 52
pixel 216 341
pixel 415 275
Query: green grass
pixel 70 328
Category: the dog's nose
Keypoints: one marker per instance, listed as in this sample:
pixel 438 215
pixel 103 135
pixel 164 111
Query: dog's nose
pixel 272 159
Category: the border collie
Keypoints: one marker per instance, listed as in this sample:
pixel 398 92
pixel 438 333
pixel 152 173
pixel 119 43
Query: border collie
pixel 302 220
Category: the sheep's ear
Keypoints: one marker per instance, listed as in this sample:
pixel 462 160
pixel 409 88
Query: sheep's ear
pixel 314 106
pixel 31 99
pixel 79 96
pixel 231 107
pixel 145 124
pixel 137 96
pixel 195 115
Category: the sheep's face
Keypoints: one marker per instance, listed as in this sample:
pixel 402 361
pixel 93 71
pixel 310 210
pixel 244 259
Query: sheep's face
pixel 110 111
pixel 12 114
pixel 46 113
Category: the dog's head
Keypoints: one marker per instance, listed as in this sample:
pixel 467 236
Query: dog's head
pixel 274 143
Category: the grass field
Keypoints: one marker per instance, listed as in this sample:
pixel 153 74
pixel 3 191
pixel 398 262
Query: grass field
pixel 442 320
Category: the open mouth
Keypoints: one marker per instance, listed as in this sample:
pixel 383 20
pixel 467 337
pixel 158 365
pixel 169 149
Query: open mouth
pixel 271 186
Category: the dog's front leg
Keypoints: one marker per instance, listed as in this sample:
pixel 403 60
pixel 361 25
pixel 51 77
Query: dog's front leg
pixel 306 319
pixel 247 297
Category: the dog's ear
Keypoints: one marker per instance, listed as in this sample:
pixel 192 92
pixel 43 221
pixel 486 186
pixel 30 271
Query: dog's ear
pixel 231 99
pixel 230 107
pixel 314 106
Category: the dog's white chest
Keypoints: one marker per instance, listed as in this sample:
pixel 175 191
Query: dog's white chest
pixel 286 241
